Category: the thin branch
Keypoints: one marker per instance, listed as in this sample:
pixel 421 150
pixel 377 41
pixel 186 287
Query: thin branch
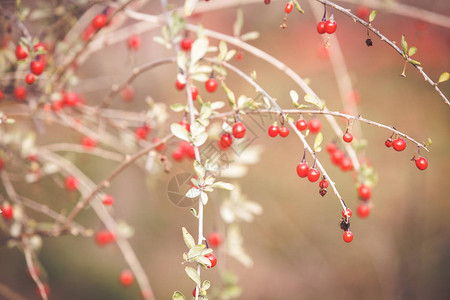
pixel 67 147
pixel 31 268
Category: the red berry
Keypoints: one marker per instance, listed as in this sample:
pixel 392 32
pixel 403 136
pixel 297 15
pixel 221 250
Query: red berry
pixel 189 150
pixel 301 124
pixel 346 164
pixel 330 26
pixel 273 130
pixel 313 175
pixel 142 132
pixel 226 140
pixel 348 236
pixel 71 183
pixel 421 163
pixel 238 130
pixel 88 143
pixel 108 200
pixel 37 67
pixel 178 154
pixel 186 125
pixel 323 184
pixel 128 93
pixel 349 212
pixel 126 278
pixel 180 86
pixel 161 147
pixel 194 292
pixel 288 8
pixel 331 147
pixel 348 137
pixel 266 1
pixel 29 79
pixel 337 156
pixel 211 85
pixel 239 56
pixel 20 92
pixel 214 239
pixel 57 105
pixel 314 125
pixel 71 99
pixel 194 92
pixel 284 131
pixel 2 95
pixel 399 144
pixel 302 169
pixel 321 27
pixel 362 12
pixel 104 237
pixel 21 53
pixel 99 21
pixel 134 42
pixel 363 210
pixel 212 258
pixel 364 192
pixel 388 143
pixel 7 212
pixel 186 44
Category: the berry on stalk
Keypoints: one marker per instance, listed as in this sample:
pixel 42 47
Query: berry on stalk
pixel 301 124
pixel 238 130
pixel 421 163
pixel 273 130
pixel 348 236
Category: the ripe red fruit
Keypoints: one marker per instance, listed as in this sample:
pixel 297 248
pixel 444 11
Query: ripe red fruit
pixel 57 105
pixel 128 93
pixel 214 239
pixel 71 99
pixel 364 192
pixel 399 144
pixel 302 169
pixel 211 85
pixel 180 86
pixel 421 163
pixel 273 130
pixel 29 79
pixel 346 164
pixel 388 143
pixel 238 130
pixel 330 26
pixel 331 147
pixel 21 53
pixel 348 236
pixel 349 212
pixel 337 156
pixel 88 143
pixel 7 212
pixel 194 92
pixel 363 211
pixel 142 132
pixel 323 184
pixel 288 8
pixel 71 183
pixel 186 125
pixel 161 147
pixel 178 154
pixel 314 125
pixel 189 150
pixel 313 175
pixel 212 258
pixel 20 92
pixel 126 278
pixel 284 131
pixel 348 137
pixel 362 12
pixel 37 67
pixel 301 124
pixel 99 21
pixel 134 42
pixel 266 1
pixel 2 95
pixel 321 27
pixel 186 44
pixel 104 237
pixel 194 292
pixel 226 140
pixel 108 200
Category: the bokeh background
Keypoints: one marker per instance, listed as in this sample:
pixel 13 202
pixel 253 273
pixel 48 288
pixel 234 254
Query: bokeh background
pixel 402 251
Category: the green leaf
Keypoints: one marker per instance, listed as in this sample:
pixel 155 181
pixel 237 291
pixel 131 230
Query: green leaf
pixel 223 185
pixel 230 95
pixel 318 141
pixel 252 35
pixel 189 6
pixel 253 75
pixel 193 275
pixel 237 26
pixel 412 51
pixel 404 45
pixel 298 7
pixel 230 54
pixel 444 77
pixel 294 97
pixel 428 143
pixel 178 296
pixel 180 132
pixel 199 169
pixel 198 50
pixel 315 101
pixel 177 107
pixel 196 251
pixel 415 62
pixel 206 284
pixel 188 239
pixel 372 16
pixel 223 49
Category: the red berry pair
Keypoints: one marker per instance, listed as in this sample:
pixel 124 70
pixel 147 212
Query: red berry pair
pixel 184 149
pixel 329 26
pixel 274 130
pixel 303 170
pixel 398 144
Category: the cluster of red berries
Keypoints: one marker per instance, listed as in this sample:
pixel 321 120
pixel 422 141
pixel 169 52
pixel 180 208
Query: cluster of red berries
pixel 184 149
pixel 194 90
pixel 213 259
pixel 325 26
pixel 345 225
pixel 274 130
pixel 314 125
pixel 399 144
pixel 37 65
pixel 303 170
pixel 339 158
pixel 238 131
pixel 364 193
pixel 69 99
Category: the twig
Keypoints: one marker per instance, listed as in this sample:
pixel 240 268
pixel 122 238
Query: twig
pixel 67 147
pixel 32 269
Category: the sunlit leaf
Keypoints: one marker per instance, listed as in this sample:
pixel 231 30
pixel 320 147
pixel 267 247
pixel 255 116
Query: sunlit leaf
pixel 237 26
pixel 188 239
pixel 189 6
pixel 404 44
pixel 372 16
pixel 252 35
pixel 318 141
pixel 412 51
pixel 192 273
pixel 178 296
pixel 180 132
pixel 444 77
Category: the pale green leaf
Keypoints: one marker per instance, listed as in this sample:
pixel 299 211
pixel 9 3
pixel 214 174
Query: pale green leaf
pixel 252 35
pixel 193 193
pixel 200 139
pixel 230 54
pixel 177 107
pixel 192 273
pixel 202 260
pixel 298 7
pixel 178 296
pixel 253 75
pixel 197 128
pixel 294 97
pixel 180 132
pixel 188 239
pixel 223 49
pixel 372 16
pixel 204 198
pixel 223 185
pixel 404 44
pixel 230 95
pixel 217 105
pixel 196 251
pixel 199 169
pixel 315 101
pixel 189 6
pixel 415 62
pixel 198 50
pixel 318 141
pixel 444 77
pixel 237 26
pixel 193 212
pixel 412 51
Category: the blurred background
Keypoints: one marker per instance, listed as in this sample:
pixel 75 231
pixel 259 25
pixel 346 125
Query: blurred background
pixel 401 251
